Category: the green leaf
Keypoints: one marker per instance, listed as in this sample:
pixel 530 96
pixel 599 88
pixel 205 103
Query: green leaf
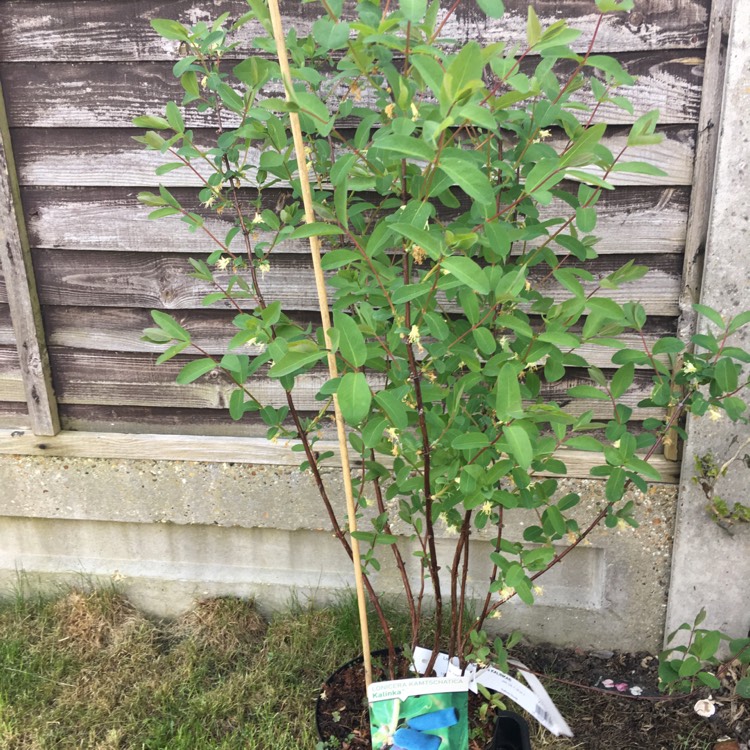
pixel 710 313
pixel 545 174
pixel 587 391
pixel 237 404
pixel 725 373
pixel 160 213
pixel 393 406
pixel 533 28
pixel 470 179
pixel 193 370
pixel 294 361
pixel 589 179
pixel 330 34
pixel 405 147
pixel 586 218
pixel 508 404
pixel 468 272
pixel 642 133
pixel 555 519
pixel 614 6
pixel 351 341
pixel 254 71
pixel 638 167
pixel 413 10
pixel 709 680
pixel 615 487
pixel 432 244
pixel 492 8
pixel 742 688
pixel 337 258
pixel 462 76
pixel 312 106
pixel 170 325
pixel 315 229
pixel 354 397
pixel 622 380
pixel 341 168
pixel 151 121
pixel 734 406
pixel 173 351
pixel 470 441
pixel 668 345
pixel 166 168
pixel 584 443
pixel 739 321
pixel 408 292
pixel 485 341
pixel 372 433
pixel 581 151
pixel 170 29
pixel 519 444
pixel 174 117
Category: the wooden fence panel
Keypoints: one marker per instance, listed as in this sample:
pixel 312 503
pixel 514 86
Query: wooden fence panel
pixel 77 71
pixel 115 30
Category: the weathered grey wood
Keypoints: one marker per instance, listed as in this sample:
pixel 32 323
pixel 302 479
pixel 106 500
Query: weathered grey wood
pixel 648 220
pixel 7 335
pixel 90 377
pixel 103 157
pixel 11 379
pixel 79 278
pixel 709 125
pixel 18 273
pixel 94 95
pixel 121 329
pixel 705 158
pixel 14 416
pixel 234 449
pixel 90 30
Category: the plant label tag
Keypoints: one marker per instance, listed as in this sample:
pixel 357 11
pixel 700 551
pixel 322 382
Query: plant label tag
pixel 545 701
pixel 423 713
pixel 528 699
pixel 421 659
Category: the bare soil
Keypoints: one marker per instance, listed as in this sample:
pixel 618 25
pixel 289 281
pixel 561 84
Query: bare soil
pixel 600 717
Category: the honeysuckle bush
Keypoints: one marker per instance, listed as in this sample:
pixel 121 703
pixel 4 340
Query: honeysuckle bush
pixel 456 188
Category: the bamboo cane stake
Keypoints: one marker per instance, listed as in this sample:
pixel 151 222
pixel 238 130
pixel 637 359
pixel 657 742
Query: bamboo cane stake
pixel 299 148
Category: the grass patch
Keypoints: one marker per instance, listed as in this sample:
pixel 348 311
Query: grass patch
pixel 88 671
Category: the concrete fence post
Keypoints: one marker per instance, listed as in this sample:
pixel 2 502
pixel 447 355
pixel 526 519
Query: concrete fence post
pixel 711 562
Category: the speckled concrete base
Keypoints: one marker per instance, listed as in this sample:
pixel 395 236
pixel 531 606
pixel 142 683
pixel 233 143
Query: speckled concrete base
pixel 170 532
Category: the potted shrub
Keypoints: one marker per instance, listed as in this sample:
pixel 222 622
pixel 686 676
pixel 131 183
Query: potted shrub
pixel 455 190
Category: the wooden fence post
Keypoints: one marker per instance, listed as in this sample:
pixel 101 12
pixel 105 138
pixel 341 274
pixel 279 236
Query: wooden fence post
pixel 703 182
pixel 25 313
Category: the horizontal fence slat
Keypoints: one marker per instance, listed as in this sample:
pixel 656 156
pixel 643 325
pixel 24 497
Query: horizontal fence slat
pixel 114 378
pixel 97 95
pixel 109 157
pixel 80 278
pixel 11 380
pixel 7 335
pixel 649 220
pixel 120 330
pixel 112 30
pixel 235 449
pixel 14 415
pixel 181 421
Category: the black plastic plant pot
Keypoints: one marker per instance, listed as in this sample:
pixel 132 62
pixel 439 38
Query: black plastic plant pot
pixel 511 732
pixel 380 655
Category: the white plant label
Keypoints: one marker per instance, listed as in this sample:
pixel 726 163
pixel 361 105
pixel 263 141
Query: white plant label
pixel 534 699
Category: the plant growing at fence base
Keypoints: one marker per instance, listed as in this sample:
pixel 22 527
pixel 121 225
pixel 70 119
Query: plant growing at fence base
pixel 457 189
pixel 684 667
